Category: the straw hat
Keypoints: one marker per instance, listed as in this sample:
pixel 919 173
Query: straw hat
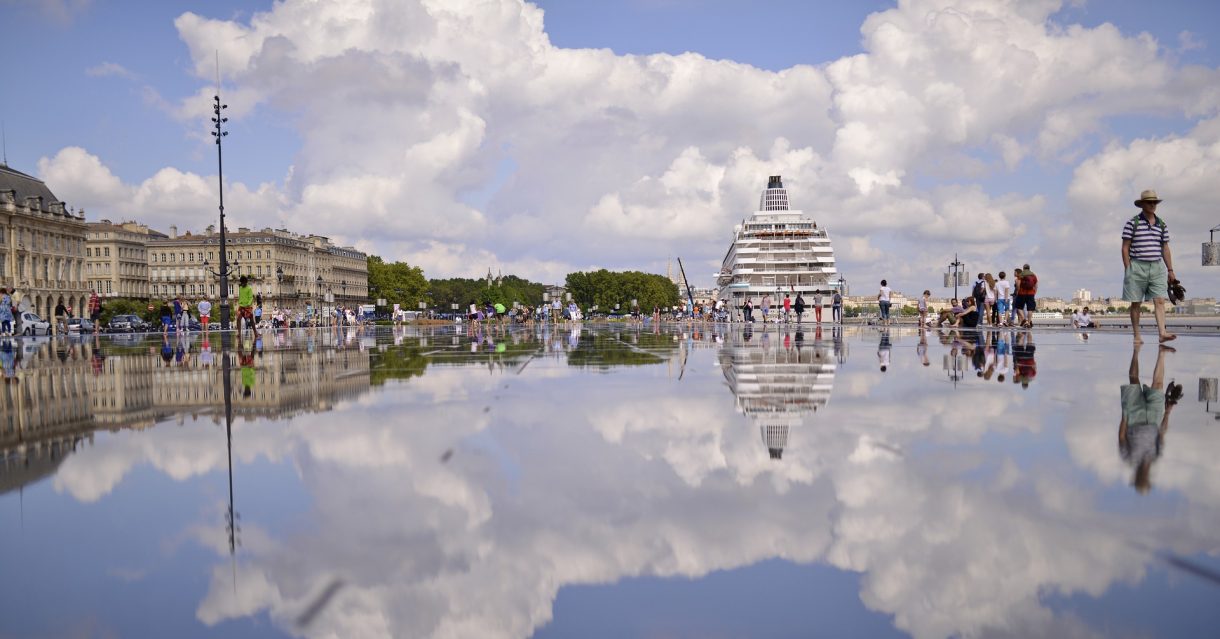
pixel 1147 195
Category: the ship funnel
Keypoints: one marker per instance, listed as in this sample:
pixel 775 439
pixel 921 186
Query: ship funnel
pixel 775 196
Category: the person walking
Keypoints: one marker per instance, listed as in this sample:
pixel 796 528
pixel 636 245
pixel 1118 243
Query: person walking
pixel 836 308
pixel 787 307
pixel 95 309
pixel 1147 264
pixel 992 316
pixel 799 307
pixel 245 306
pixel 749 310
pixel 883 303
pixel 61 318
pixel 923 308
pixel 817 306
pixel 766 307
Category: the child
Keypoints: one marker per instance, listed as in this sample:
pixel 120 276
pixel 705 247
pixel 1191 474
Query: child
pixel 245 305
pixel 923 308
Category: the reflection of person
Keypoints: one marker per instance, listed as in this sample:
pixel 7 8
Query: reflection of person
pixel 883 350
pixel 1141 432
pixel 247 371
pixel 1023 360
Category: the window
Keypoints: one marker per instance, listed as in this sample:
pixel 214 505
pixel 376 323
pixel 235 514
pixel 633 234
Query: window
pixel 107 249
pixel 88 252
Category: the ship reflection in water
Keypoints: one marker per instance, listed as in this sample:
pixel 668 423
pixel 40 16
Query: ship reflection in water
pixel 779 379
pixel 602 481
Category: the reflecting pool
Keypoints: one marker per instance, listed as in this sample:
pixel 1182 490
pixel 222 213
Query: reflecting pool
pixel 610 481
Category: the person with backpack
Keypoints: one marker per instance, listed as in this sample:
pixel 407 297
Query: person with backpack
pixel 979 293
pixel 1147 264
pixel 799 306
pixel 1027 291
pixel 836 308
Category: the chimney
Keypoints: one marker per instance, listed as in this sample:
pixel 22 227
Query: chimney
pixel 173 231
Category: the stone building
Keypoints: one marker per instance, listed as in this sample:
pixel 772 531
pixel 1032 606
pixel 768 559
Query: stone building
pixel 117 258
pixel 287 269
pixel 42 244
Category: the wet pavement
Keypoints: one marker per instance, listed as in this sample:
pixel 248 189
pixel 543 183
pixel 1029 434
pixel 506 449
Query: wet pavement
pixel 606 481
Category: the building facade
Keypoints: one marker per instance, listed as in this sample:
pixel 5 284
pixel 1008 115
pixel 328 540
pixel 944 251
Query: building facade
pixel 42 245
pixel 117 258
pixel 288 269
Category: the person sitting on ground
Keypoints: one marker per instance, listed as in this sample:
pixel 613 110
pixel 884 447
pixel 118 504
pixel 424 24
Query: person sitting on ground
pixel 969 317
pixel 950 314
pixel 1082 319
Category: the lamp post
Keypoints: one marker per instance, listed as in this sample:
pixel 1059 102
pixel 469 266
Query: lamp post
pixel 956 268
pixel 217 121
pixel 317 301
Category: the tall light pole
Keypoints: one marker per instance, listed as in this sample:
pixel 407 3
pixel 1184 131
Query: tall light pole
pixel 956 268
pixel 218 120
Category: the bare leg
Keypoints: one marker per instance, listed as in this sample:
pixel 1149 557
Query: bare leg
pixel 1133 372
pixel 1135 322
pixel 1158 372
pixel 1158 306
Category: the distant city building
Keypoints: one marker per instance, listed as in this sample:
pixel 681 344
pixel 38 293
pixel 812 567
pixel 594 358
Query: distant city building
pixel 42 244
pixel 287 269
pixel 117 258
pixel 1083 295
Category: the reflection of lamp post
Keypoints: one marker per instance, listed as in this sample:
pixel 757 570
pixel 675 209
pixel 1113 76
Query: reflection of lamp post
pixel 1207 393
pixel 955 370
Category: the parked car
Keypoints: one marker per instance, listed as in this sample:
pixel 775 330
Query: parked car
pixel 31 324
pixel 80 325
pixel 126 324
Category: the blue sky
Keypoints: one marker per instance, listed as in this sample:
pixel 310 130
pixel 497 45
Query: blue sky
pixel 114 116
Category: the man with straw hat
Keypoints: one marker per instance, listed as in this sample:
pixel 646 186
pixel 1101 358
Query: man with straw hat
pixel 1145 247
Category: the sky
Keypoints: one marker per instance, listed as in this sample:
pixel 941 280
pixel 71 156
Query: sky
pixel 539 139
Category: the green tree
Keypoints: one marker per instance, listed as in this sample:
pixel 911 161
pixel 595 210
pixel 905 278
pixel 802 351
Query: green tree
pixel 397 282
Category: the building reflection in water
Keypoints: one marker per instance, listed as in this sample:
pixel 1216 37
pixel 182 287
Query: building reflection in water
pixel 778 379
pixel 57 393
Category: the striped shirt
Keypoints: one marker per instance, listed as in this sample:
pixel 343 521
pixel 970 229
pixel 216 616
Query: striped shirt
pixel 1146 239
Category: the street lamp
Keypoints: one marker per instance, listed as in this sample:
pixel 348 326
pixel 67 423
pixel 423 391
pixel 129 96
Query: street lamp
pixel 219 134
pixel 318 311
pixel 957 271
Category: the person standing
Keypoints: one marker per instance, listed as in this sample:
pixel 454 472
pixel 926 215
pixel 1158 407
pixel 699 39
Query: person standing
pixel 799 307
pixel 1147 264
pixel 991 315
pixel 749 310
pixel 923 308
pixel 177 312
pixel 817 306
pixel 883 303
pixel 1003 298
pixel 205 313
pixel 6 313
pixel 836 307
pixel 1026 298
pixel 245 306
pixel 787 307
pixel 766 307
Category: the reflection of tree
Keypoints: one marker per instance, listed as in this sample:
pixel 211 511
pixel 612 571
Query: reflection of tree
pixel 396 362
pixel 606 350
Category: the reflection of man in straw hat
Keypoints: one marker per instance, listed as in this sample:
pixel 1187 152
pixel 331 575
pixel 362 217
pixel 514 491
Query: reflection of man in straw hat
pixel 1145 247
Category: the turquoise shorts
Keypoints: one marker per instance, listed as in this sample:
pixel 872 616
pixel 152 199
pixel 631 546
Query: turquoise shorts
pixel 1142 404
pixel 1145 281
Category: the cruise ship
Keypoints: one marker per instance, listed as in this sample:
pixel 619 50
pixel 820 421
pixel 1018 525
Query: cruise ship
pixel 777 250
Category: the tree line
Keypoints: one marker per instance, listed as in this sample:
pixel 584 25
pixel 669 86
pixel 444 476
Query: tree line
pixel 401 283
